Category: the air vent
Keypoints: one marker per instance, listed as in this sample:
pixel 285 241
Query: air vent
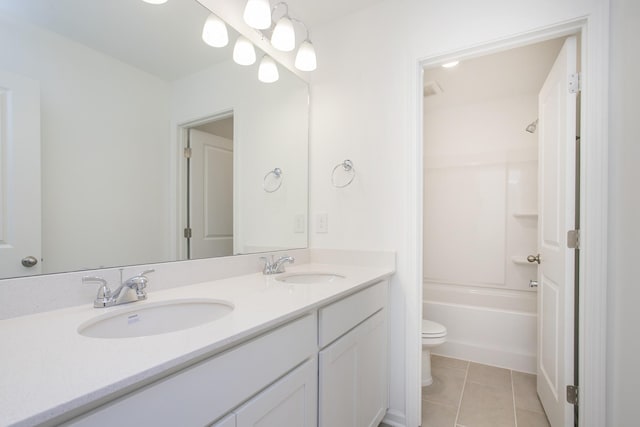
pixel 431 89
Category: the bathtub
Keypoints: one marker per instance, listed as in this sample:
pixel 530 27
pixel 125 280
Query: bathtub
pixel 486 325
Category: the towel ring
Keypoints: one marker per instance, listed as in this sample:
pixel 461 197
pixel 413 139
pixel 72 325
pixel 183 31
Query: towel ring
pixel 277 176
pixel 347 167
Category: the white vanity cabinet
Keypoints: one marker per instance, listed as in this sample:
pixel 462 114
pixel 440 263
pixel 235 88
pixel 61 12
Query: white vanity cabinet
pixel 353 378
pixel 277 379
pixel 207 391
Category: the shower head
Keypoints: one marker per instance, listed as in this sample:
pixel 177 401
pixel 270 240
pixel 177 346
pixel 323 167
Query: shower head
pixel 532 126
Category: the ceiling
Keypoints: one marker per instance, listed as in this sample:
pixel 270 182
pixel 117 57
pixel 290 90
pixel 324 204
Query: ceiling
pixel 315 13
pixel 162 40
pixel 513 72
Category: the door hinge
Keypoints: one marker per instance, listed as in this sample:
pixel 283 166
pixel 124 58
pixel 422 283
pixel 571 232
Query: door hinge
pixel 572 394
pixel 187 153
pixel 575 83
pixel 187 233
pixel 573 239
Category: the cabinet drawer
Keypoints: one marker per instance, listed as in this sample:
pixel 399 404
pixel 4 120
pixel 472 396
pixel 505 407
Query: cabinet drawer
pixel 338 318
pixel 204 392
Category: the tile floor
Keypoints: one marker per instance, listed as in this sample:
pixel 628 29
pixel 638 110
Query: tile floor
pixel 468 394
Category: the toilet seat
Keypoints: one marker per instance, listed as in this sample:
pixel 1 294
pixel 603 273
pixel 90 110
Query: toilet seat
pixel 431 329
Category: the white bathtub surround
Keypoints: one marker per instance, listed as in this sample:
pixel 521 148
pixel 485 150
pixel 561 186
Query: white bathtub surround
pixel 51 369
pixel 485 325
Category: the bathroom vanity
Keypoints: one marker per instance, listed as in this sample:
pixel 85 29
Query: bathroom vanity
pixel 301 348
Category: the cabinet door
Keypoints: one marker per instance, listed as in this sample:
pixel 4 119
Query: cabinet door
pixel 353 376
pixel 292 401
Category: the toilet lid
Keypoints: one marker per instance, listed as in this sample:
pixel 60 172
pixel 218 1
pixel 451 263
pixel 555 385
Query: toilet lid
pixel 430 328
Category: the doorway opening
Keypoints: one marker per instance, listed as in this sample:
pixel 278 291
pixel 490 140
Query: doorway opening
pixel 208 153
pixel 486 133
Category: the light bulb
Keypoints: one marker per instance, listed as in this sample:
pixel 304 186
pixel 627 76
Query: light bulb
pixel 284 36
pixel 243 51
pixel 214 32
pixel 257 14
pixel 306 57
pixel 155 1
pixel 268 71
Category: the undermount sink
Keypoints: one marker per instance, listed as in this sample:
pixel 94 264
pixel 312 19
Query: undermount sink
pixel 155 318
pixel 310 278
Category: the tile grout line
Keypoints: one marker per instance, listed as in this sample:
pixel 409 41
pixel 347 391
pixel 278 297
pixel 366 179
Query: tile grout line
pixel 513 398
pixel 464 386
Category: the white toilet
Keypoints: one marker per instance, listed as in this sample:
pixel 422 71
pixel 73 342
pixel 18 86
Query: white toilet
pixel 433 334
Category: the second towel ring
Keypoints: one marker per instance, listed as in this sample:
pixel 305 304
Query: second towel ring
pixel 347 167
pixel 277 175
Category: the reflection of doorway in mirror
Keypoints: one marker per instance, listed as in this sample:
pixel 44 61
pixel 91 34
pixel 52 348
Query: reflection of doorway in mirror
pixel 20 185
pixel 210 204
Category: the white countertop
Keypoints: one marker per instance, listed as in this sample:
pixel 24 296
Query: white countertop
pixel 48 368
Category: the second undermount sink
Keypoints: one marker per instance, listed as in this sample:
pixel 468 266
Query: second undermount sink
pixel 309 278
pixel 155 318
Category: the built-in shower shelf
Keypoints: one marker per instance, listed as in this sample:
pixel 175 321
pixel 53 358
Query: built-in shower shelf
pixel 521 260
pixel 530 215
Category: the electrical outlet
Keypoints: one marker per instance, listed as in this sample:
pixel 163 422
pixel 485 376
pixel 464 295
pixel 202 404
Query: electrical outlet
pixel 322 223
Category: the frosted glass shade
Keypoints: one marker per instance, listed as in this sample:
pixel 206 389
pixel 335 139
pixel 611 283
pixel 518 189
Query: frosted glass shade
pixel 214 32
pixel 306 57
pixel 257 14
pixel 268 71
pixel 243 51
pixel 284 36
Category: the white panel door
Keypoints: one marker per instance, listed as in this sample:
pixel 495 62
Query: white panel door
pixel 556 208
pixel 20 199
pixel 211 195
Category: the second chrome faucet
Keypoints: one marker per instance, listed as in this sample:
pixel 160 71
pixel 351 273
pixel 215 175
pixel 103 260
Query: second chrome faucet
pixel 272 266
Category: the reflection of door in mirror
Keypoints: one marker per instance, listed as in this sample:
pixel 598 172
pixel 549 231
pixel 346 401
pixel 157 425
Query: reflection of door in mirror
pixel 211 189
pixel 20 212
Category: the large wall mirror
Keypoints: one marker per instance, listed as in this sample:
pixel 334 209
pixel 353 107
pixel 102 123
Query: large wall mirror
pixel 125 139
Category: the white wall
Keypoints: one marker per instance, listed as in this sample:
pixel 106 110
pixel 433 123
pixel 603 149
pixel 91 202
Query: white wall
pixel 624 211
pixel 270 131
pixel 365 104
pixel 104 151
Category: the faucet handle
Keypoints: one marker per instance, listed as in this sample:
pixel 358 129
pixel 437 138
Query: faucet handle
pixel 267 264
pixel 104 293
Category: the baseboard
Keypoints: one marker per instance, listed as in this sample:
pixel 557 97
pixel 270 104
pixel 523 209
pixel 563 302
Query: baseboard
pixel 487 355
pixel 394 418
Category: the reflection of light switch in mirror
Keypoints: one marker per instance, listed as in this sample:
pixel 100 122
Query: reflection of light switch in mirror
pixel 299 223
pixel 322 223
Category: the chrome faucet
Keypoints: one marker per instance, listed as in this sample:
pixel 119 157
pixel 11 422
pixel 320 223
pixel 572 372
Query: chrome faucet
pixel 130 290
pixel 277 266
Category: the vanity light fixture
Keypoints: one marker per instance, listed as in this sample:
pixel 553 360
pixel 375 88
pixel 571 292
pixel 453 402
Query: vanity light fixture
pixel 243 51
pixel 450 64
pixel 257 14
pixel 306 56
pixel 268 71
pixel 214 32
pixel 284 36
pixel 155 1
